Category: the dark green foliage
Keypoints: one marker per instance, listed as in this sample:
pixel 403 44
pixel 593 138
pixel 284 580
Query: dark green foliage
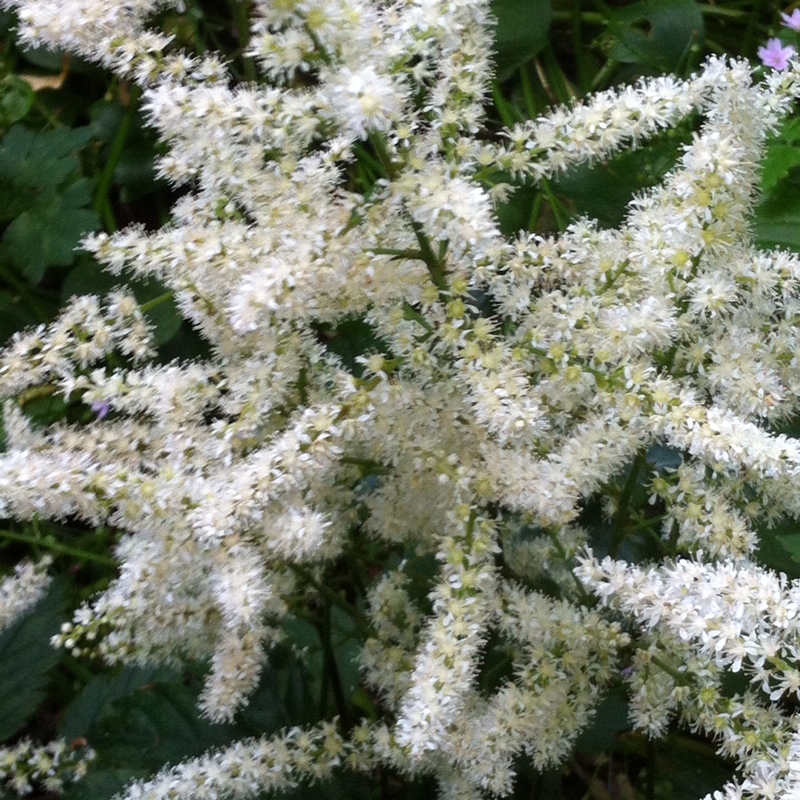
pixel 522 32
pixel 26 658
pixel 44 197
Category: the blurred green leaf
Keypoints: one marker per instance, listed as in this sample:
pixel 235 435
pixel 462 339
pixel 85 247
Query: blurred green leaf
pixel 610 718
pixel 26 655
pixel 98 695
pixel 523 27
pixel 777 217
pixel 656 33
pixel 165 317
pixel 102 784
pixel 31 163
pixel 14 316
pixel 16 99
pixel 88 277
pixel 158 723
pixel 602 191
pixel 48 233
pixel 779 161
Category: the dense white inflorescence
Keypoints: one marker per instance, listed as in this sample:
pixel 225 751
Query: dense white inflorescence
pixel 519 378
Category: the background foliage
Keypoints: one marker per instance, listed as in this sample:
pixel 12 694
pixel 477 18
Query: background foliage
pixel 76 156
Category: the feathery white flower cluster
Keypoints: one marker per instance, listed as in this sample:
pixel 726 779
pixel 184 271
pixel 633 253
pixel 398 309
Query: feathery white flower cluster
pixel 20 591
pixel 25 767
pixel 512 382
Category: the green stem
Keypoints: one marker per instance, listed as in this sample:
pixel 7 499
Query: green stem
pixel 623 508
pixel 57 547
pixel 36 393
pixel 156 301
pixel 384 157
pixel 585 596
pixel 413 255
pixel 603 74
pixel 681 678
pixel 555 205
pixel 536 210
pixel 435 268
pixel 720 11
pixel 504 108
pixel 329 595
pixel 102 202
pixel 331 669
pixel 411 313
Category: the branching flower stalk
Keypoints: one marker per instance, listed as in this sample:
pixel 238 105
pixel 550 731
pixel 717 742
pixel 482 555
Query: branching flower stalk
pixel 513 381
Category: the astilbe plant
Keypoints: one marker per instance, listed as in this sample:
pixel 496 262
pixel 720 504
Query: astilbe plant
pixel 513 382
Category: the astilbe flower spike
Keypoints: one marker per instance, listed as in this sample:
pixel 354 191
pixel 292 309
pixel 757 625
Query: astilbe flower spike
pixel 520 377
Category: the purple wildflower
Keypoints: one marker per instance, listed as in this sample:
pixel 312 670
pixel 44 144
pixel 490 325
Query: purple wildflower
pixel 775 55
pixel 792 20
pixel 101 408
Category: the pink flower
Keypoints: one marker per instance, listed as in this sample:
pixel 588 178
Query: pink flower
pixel 792 20
pixel 775 55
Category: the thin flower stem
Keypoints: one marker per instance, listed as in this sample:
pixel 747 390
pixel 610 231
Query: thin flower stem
pixel 49 543
pixel 622 516
pixel 333 597
pixel 102 202
pixel 156 301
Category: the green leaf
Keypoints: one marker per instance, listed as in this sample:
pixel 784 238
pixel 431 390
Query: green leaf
pixel 16 99
pixel 610 718
pixel 779 548
pixel 14 316
pixel 779 161
pixel 777 217
pixel 26 656
pixel 158 724
pixel 31 163
pixel 165 317
pixel 656 33
pixel 522 31
pixel 98 695
pixel 102 784
pixel 48 233
pixel 87 277
pixel 789 130
pixel 602 191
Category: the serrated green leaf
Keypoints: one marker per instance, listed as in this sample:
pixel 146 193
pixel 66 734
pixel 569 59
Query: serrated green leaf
pixel 48 233
pixel 26 655
pixel 521 32
pixel 31 163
